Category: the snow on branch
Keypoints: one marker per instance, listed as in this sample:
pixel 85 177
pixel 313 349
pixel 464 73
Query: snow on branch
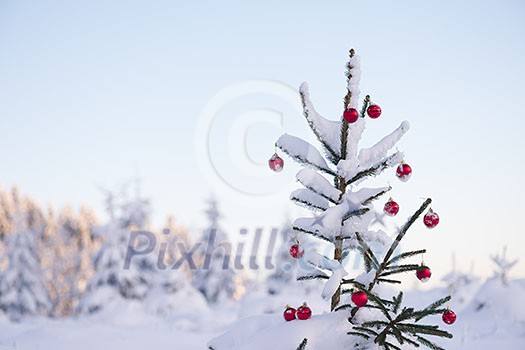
pixel 309 199
pixel 328 224
pixel 311 232
pixel 318 184
pixel 303 152
pixel 351 133
pixel 326 131
pixel 354 76
pixel 374 154
pixel 338 272
pixel 351 175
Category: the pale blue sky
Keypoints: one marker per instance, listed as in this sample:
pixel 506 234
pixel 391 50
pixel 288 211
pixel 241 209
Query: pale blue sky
pixel 92 92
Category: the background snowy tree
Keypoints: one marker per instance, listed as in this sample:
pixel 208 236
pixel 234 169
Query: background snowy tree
pixel 215 276
pixel 503 266
pixel 66 246
pixel 111 281
pixel 22 288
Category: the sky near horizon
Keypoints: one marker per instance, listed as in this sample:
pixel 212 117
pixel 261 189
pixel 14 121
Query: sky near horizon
pixel 95 93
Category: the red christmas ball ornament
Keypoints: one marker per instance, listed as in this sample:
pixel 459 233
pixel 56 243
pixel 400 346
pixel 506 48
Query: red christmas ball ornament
pixel 403 172
pixel 359 298
pixel 423 273
pixel 289 313
pixel 374 111
pixel 296 251
pixel 304 312
pixel 449 316
pixel 391 208
pixel 351 115
pixel 276 163
pixel 431 219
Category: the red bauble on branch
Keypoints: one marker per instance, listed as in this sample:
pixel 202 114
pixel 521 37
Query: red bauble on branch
pixel 304 312
pixel 276 163
pixel 296 251
pixel 391 208
pixel 351 115
pixel 359 298
pixel 374 111
pixel 423 273
pixel 449 316
pixel 431 219
pixel 289 313
pixel 404 171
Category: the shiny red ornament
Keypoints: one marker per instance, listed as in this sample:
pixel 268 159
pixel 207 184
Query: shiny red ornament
pixel 359 298
pixel 304 312
pixel 449 316
pixel 431 219
pixel 276 163
pixel 403 172
pixel 351 115
pixel 296 251
pixel 391 208
pixel 374 111
pixel 423 273
pixel 289 313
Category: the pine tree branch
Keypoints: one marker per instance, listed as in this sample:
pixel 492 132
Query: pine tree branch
pixel 308 154
pixel 378 195
pixel 343 307
pixel 366 336
pixel 391 346
pixel 405 255
pixel 432 309
pixel 302 346
pixel 312 277
pixel 374 169
pixel 399 269
pixel 304 203
pixel 380 303
pixel 423 329
pixel 332 200
pixel 428 343
pixel 366 330
pixel 398 239
pixel 315 234
pixel 410 341
pixel 397 302
pixel 352 281
pixel 354 213
pixel 385 280
pixel 375 324
pixel 333 156
pixel 366 251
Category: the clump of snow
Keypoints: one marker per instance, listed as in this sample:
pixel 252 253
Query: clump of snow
pixel 303 152
pixel 327 130
pixel 369 156
pixel 311 179
pixel 306 196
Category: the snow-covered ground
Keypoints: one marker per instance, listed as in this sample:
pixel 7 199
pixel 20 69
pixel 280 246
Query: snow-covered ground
pixel 490 316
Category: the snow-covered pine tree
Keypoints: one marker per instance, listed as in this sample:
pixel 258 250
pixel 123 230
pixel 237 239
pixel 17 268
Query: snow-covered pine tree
pixel 345 214
pixel 111 281
pixel 67 246
pixel 22 288
pixel 215 276
pixel 503 266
